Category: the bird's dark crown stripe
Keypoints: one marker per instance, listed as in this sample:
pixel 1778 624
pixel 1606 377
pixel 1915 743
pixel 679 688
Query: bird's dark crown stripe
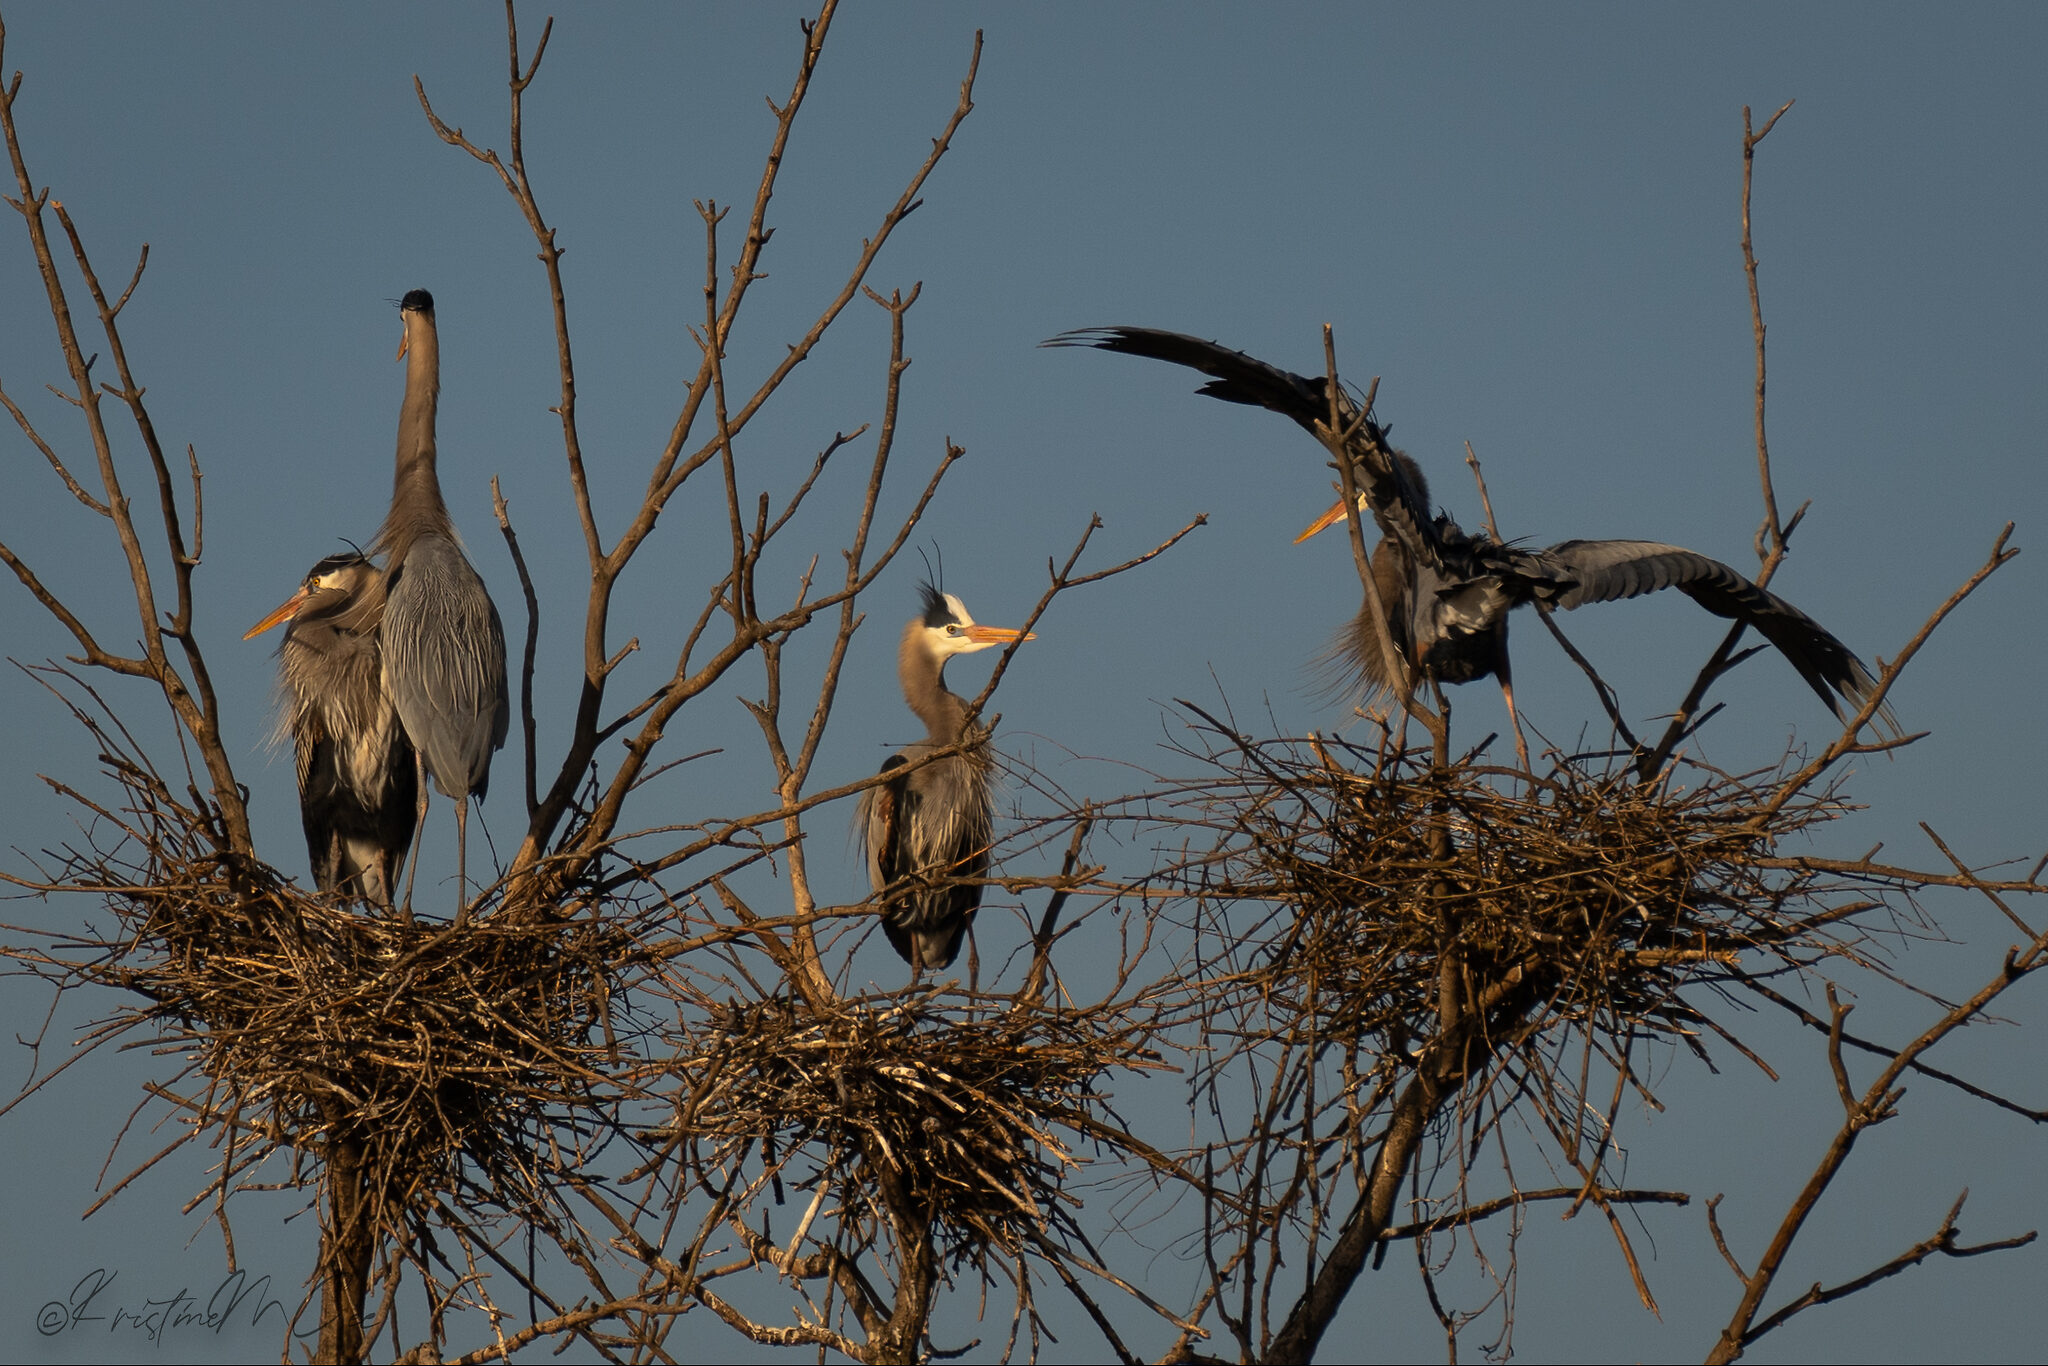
pixel 936 610
pixel 334 562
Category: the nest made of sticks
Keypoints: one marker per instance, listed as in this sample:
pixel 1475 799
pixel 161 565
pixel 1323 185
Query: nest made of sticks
pixel 448 1067
pixel 1345 877
pixel 967 1114
pixel 429 1049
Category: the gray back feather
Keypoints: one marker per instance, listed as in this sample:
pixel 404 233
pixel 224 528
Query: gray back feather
pixel 444 664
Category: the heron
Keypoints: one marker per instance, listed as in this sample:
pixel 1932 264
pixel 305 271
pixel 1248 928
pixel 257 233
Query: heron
pixel 933 820
pixel 443 646
pixel 1447 593
pixel 357 780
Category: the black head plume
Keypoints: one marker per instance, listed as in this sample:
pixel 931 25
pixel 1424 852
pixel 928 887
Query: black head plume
pixel 416 301
pixel 937 611
pixel 935 577
pixel 341 560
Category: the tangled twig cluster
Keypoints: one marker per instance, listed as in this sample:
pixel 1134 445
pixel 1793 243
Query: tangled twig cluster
pixel 1584 889
pixel 455 1077
pixel 974 1111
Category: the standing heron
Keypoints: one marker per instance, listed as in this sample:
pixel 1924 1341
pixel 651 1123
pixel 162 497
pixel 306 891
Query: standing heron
pixel 933 820
pixel 357 781
pixel 443 646
pixel 1447 593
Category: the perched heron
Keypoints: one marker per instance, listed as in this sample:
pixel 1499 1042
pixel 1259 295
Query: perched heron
pixel 443 646
pixel 934 820
pixel 357 782
pixel 1447 593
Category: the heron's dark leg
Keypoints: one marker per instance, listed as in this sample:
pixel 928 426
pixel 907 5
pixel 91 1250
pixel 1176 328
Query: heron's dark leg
pixel 461 855
pixel 1507 692
pixel 419 828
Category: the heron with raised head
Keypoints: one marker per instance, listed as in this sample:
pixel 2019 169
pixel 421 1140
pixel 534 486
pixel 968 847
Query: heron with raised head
pixel 357 781
pixel 1447 593
pixel 934 819
pixel 443 647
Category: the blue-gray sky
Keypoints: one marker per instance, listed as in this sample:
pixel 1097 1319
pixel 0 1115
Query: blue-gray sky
pixel 1524 221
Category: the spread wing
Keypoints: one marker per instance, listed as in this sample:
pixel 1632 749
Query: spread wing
pixel 1398 499
pixel 1238 378
pixel 1602 571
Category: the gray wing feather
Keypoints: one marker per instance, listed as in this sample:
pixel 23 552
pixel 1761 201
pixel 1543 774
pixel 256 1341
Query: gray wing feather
pixel 1602 571
pixel 1238 378
pixel 1398 503
pixel 444 665
pixel 937 821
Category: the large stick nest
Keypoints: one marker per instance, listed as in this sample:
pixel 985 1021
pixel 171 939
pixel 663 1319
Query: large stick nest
pixel 1585 894
pixel 970 1112
pixel 443 1063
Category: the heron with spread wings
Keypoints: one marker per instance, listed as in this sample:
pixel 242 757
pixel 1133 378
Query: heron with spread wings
pixel 1447 593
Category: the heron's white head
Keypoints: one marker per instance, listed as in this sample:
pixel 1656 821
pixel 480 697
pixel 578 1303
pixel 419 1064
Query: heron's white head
pixel 946 629
pixel 334 583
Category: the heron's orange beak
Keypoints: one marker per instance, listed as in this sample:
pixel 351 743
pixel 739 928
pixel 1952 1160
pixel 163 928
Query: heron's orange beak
pixel 997 635
pixel 1334 515
pixel 404 341
pixel 284 613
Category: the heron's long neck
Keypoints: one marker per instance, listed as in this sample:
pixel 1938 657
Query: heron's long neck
pixel 416 505
pixel 924 687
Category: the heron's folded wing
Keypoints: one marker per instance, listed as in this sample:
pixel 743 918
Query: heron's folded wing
pixel 444 665
pixel 881 828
